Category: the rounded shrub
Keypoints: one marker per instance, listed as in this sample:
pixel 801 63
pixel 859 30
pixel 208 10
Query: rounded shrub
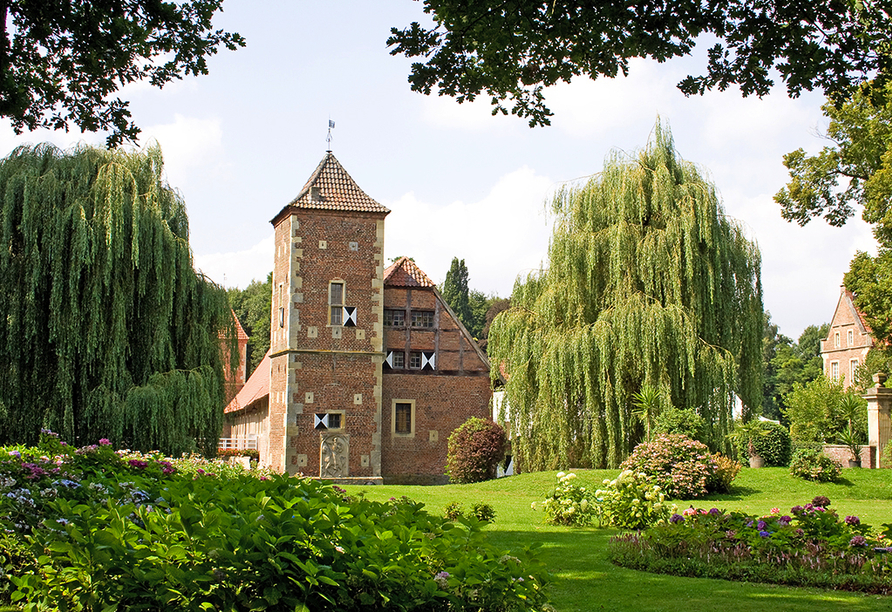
pixel 568 504
pixel 474 450
pixel 680 466
pixel 683 421
pixel 630 501
pixel 774 444
pixel 812 464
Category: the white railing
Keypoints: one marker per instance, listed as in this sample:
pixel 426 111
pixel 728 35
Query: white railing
pixel 237 443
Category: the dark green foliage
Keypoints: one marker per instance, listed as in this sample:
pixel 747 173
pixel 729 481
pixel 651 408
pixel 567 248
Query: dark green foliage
pixel 474 451
pixel 647 282
pixel 684 421
pixel 821 410
pixel 455 292
pixel 132 537
pixel 61 61
pixel 812 464
pixel 774 446
pixel 107 331
pixel 253 305
pixel 511 50
pixel 789 363
pixel 483 512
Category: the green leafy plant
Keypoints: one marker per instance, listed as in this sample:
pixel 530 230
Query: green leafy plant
pixel 852 441
pixel 453 511
pixel 474 451
pixel 683 421
pixel 726 470
pixel 483 512
pixel 568 504
pixel 680 466
pixel 774 444
pixel 812 464
pixel 631 501
pixel 647 405
pixel 744 435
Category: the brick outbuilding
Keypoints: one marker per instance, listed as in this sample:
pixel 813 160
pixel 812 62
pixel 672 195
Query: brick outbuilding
pixel 369 370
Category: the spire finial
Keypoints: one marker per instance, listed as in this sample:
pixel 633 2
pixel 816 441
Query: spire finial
pixel 328 138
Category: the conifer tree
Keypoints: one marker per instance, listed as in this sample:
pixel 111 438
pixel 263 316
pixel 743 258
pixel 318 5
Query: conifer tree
pixel 456 293
pixel 648 284
pixel 107 330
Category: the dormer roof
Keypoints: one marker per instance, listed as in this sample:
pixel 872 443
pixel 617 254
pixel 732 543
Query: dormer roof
pixel 331 188
pixel 404 273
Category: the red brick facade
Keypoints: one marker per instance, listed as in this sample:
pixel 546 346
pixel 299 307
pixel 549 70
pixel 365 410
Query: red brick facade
pixel 333 387
pixel 848 342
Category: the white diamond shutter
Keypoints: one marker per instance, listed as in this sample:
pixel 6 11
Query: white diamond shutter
pixel 389 359
pixel 428 360
pixel 349 316
pixel 321 421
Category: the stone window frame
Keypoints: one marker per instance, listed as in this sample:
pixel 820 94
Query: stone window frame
pixel 834 370
pixel 835 339
pixel 853 366
pixel 341 420
pixel 393 418
pixel 850 337
pixel 336 310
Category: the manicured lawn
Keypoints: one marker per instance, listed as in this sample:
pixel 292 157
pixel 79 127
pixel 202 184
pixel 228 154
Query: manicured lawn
pixel 585 581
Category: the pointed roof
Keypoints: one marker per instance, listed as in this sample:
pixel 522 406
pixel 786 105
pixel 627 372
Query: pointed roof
pixel 331 188
pixel 847 300
pixel 239 330
pixel 255 389
pixel 404 273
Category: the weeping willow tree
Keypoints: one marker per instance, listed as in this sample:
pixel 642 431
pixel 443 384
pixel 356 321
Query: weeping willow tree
pixel 106 328
pixel 648 285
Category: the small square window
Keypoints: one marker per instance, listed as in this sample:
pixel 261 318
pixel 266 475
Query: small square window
pixel 398 360
pixel 422 318
pixel 335 420
pixel 394 318
pixel 415 360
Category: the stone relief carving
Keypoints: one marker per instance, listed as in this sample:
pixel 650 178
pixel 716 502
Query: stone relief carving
pixel 334 457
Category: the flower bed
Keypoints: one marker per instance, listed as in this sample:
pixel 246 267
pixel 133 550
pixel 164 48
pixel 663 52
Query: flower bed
pixel 92 528
pixel 810 546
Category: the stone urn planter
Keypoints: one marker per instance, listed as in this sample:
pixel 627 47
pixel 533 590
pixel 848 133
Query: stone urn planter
pixel 854 463
pixel 756 461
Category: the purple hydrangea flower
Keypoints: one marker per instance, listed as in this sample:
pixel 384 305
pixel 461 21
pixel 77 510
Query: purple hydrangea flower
pixel 821 501
pixel 858 540
pixel 714 511
pixel 676 518
pixel 761 525
pixel 784 520
pixel 853 520
pixel 764 534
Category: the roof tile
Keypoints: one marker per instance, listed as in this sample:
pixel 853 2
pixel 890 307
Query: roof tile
pixel 404 273
pixel 335 190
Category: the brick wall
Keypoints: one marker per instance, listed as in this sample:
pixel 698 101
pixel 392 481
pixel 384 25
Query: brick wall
pixel 848 342
pixel 842 454
pixel 443 398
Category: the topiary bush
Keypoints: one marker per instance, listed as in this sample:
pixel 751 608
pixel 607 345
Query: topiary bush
pixel 812 464
pixel 680 466
pixel 683 421
pixel 774 445
pixel 474 451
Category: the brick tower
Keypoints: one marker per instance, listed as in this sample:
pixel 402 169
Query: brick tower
pixel 326 351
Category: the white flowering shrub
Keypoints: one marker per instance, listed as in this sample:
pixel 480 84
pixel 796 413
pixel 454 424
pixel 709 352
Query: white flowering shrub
pixel 630 502
pixel 569 503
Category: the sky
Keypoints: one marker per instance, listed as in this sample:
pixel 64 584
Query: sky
pixel 240 143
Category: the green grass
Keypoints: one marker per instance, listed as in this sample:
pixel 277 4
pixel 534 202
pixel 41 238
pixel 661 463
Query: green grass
pixel 585 581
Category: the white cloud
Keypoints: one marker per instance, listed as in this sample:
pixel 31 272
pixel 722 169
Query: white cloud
pixel 501 236
pixel 238 268
pixel 187 143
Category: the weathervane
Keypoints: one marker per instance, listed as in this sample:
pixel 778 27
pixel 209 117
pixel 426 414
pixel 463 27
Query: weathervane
pixel 328 139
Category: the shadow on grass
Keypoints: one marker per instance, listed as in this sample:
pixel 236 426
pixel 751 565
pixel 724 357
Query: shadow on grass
pixel 737 493
pixel 584 580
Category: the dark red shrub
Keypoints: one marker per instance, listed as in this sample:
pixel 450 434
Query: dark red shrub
pixel 475 449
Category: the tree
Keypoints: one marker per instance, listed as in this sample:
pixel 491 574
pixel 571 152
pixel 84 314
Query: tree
pixel 107 330
pixel 510 50
pixel 455 291
pixel 820 410
pixel 648 282
pixel 253 305
pixel 60 61
pixel 795 362
pixel 772 341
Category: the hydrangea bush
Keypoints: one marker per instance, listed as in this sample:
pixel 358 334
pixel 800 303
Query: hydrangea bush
pixel 569 503
pixel 474 450
pixel 138 531
pixel 681 467
pixel 630 501
pixel 812 464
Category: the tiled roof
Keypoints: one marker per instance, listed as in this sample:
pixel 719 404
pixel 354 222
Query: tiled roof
pixel 239 330
pixel 858 313
pixel 256 388
pixel 404 273
pixel 336 190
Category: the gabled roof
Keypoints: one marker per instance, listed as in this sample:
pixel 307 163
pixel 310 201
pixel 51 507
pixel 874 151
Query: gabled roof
pixel 404 273
pixel 331 188
pixel 239 330
pixel 847 300
pixel 255 389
